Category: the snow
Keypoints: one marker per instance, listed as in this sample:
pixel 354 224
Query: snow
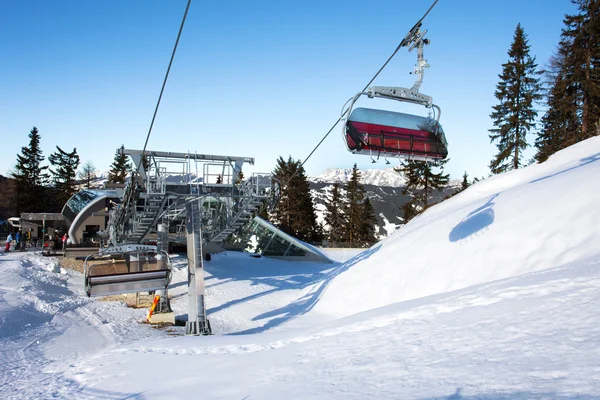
pixel 492 294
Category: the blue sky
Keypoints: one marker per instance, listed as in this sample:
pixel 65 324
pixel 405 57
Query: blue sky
pixel 258 79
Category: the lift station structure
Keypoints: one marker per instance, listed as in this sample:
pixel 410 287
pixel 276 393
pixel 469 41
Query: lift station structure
pixel 188 198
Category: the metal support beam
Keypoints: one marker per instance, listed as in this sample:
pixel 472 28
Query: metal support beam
pixel 197 323
pixel 188 156
pixel 164 305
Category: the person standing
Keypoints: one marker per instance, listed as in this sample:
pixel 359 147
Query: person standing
pixel 28 238
pixel 18 240
pixel 8 240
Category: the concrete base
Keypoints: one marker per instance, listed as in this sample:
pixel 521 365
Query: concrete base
pixel 163 318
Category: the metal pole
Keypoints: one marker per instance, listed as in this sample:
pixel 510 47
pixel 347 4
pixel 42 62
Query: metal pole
pixel 163 305
pixel 197 323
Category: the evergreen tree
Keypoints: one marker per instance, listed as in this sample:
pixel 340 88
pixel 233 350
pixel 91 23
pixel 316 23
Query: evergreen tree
pixel 514 116
pixel 580 46
pixel 30 176
pixel 334 215
pixel 63 174
pixel 295 213
pixel 355 197
pixel 560 118
pixel 263 212
pixel 87 173
pixel 410 210
pixel 573 97
pixel 422 180
pixel 465 182
pixel 120 167
pixel 368 222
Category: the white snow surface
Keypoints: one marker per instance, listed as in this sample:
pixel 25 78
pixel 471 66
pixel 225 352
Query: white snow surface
pixel 492 294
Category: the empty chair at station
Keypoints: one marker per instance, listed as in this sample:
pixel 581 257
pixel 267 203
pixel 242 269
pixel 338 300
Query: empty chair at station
pixel 131 269
pixel 394 134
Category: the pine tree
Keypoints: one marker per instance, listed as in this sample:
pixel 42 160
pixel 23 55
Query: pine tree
pixel 514 116
pixel 334 215
pixel 295 212
pixel 120 167
pixel 573 98
pixel 560 119
pixel 355 196
pixel 63 174
pixel 410 210
pixel 422 180
pixel 368 222
pixel 465 182
pixel 580 45
pixel 30 176
pixel 87 173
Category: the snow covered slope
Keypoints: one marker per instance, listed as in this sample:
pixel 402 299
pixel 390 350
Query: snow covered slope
pixel 492 294
pixel 526 220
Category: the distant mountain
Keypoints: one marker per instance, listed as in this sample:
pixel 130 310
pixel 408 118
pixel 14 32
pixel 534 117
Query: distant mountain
pixel 377 177
pixel 383 188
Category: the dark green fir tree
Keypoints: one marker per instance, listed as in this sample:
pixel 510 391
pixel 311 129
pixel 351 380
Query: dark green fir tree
pixel 335 215
pixel 421 180
pixel 120 167
pixel 514 115
pixel 355 196
pixel 295 212
pixel 367 228
pixel 573 83
pixel 31 177
pixel 465 181
pixel 64 170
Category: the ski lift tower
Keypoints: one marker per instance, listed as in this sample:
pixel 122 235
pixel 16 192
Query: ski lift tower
pixel 183 198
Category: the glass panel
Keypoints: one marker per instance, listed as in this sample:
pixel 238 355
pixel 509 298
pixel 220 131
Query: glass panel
pixel 264 237
pixel 78 203
pixel 277 247
pixel 296 251
pixel 258 240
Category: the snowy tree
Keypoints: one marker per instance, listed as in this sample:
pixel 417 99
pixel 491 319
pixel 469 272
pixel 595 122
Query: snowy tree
pixel 514 115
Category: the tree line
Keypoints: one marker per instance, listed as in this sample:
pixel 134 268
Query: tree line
pixel 349 215
pixel 569 89
pixel 46 188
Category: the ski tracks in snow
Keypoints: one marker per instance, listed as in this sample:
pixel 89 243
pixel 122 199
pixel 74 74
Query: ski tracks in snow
pixel 46 328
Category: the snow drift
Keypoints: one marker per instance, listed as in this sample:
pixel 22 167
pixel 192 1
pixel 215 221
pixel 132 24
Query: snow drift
pixel 525 220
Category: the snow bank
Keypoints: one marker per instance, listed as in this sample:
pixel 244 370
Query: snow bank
pixel 526 220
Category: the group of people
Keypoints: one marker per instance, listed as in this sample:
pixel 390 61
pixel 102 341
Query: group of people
pixel 21 240
pixel 57 242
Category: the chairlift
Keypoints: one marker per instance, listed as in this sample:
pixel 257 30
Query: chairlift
pixel 126 269
pixel 382 133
